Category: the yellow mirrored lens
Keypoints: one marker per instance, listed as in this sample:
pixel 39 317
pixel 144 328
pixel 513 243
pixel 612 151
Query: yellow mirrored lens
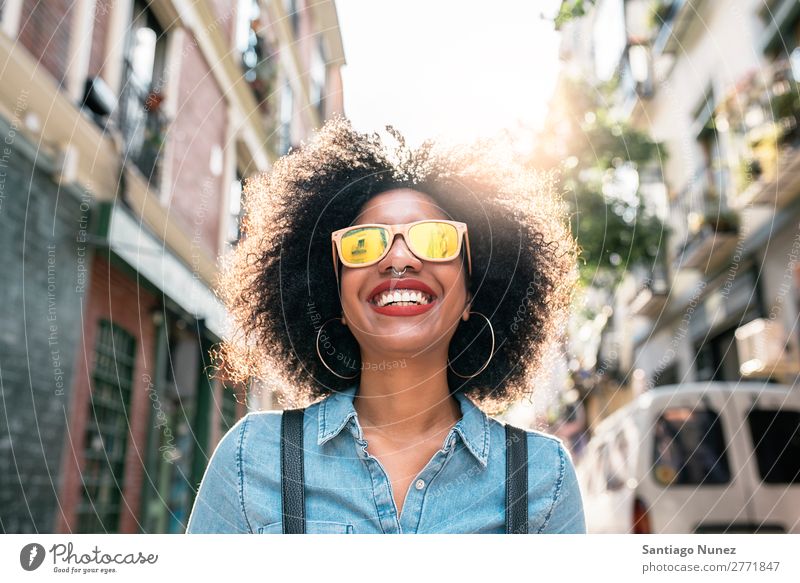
pixel 434 240
pixel 364 244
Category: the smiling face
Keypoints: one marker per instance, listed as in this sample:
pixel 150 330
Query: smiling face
pixel 438 288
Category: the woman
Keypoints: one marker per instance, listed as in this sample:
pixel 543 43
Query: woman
pixel 416 292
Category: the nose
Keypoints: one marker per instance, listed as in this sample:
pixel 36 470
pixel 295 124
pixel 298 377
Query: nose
pixel 400 256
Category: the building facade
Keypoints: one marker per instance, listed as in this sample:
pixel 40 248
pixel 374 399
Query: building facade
pixel 717 85
pixel 128 127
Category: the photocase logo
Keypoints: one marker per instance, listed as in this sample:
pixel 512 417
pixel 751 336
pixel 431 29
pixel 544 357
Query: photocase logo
pixel 31 556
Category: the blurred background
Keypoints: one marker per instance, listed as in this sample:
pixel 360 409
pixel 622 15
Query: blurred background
pixel 128 127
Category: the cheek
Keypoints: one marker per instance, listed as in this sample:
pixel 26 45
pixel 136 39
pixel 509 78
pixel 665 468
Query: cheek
pixel 454 284
pixel 352 281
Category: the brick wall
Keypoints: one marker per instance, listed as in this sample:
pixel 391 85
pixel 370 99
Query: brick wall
pixel 40 315
pixel 199 125
pixel 102 19
pixel 115 296
pixel 45 32
pixel 334 97
pixel 225 18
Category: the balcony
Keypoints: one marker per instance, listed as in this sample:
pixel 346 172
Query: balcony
pixel 711 242
pixel 144 128
pixel 712 226
pixel 651 298
pixel 675 17
pixel 259 62
pixel 780 190
pixel 762 117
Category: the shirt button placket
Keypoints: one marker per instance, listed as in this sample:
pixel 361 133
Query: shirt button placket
pixel 412 508
pixel 390 522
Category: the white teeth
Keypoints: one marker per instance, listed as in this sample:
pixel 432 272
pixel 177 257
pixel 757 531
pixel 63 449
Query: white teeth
pixel 403 298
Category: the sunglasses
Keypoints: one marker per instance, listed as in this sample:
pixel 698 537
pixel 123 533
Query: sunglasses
pixel 430 240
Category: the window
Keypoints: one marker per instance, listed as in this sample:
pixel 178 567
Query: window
pixel 689 448
pixel 107 430
pixel 290 7
pixel 247 13
pixel 776 440
pixel 713 157
pixel 287 108
pixel 668 376
pixel 318 72
pixel 142 120
pixel 718 359
pixel 235 211
pixel 706 362
pixel 258 61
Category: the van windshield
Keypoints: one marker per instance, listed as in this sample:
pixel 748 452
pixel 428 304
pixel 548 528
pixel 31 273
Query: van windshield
pixel 689 448
pixel 776 440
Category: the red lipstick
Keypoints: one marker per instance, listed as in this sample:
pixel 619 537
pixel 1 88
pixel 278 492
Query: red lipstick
pixel 402 283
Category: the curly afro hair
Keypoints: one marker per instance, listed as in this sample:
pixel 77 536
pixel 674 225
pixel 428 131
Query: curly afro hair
pixel 279 284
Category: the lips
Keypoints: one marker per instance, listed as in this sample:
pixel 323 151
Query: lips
pixel 402 310
pixel 403 283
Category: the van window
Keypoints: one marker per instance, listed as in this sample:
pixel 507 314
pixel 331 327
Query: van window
pixel 776 440
pixel 689 448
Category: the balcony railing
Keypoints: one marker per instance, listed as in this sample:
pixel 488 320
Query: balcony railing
pixel 144 128
pixel 671 20
pixel 713 227
pixel 260 66
pixel 652 296
pixel 712 243
pixel 762 115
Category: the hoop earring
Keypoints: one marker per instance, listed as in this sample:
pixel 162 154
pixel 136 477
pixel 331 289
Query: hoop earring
pixel 319 354
pixel 491 352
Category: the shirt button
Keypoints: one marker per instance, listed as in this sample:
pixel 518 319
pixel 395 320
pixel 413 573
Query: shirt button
pixel 420 484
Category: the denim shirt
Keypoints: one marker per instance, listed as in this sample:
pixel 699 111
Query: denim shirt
pixel 460 490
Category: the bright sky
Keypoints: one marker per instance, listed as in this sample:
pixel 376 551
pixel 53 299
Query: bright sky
pixel 456 68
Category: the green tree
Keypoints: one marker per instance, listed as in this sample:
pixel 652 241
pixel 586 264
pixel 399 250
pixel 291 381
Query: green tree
pixel 600 158
pixel 570 10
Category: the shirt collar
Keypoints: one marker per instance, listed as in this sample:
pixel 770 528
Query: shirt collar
pixel 473 427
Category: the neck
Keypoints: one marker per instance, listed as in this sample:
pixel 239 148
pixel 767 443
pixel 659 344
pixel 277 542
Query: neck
pixel 406 402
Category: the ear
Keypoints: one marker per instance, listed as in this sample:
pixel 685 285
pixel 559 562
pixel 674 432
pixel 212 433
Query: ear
pixel 467 307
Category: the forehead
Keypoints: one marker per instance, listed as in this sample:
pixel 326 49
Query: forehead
pixel 401 205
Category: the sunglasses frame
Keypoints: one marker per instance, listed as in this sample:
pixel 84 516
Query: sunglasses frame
pixel 403 229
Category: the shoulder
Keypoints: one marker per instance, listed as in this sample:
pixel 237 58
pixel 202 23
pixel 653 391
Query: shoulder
pixel 554 498
pixel 258 427
pixel 542 447
pixel 260 431
pixel 548 456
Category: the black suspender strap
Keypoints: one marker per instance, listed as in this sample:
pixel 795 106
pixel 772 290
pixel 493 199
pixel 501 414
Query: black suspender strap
pixel 516 480
pixel 292 478
pixel 292 484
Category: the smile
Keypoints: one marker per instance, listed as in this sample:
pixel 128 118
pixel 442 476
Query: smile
pixel 402 297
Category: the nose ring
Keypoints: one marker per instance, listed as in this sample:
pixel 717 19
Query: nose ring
pixel 398 273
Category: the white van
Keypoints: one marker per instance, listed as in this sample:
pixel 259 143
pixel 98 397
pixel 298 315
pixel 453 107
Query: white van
pixel 704 457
